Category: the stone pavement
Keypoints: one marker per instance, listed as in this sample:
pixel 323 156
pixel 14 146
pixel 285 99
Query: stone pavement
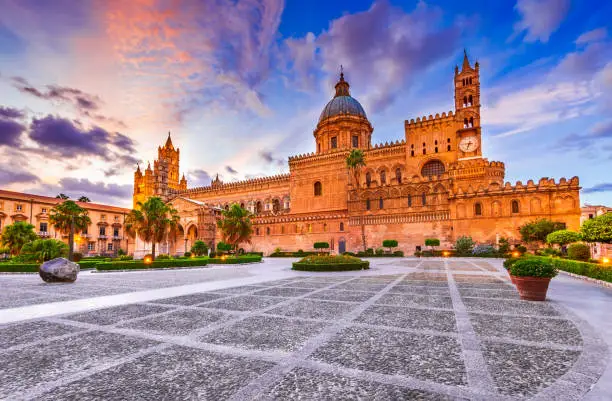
pixel 406 329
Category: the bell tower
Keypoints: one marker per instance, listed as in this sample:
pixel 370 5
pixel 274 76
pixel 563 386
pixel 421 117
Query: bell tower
pixel 467 108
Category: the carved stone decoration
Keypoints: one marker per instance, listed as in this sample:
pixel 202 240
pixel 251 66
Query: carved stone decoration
pixel 59 270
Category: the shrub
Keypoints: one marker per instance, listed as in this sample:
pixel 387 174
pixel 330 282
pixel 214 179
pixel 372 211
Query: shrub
pixel 380 252
pixel 521 248
pixel 563 237
pixel 533 267
pixel 369 251
pixel 593 270
pixel 77 256
pixel 241 251
pixel 579 251
pixel 187 254
pixel 235 260
pixel 163 257
pixel 41 250
pixel 539 229
pixel 121 252
pixel 548 252
pixel 158 264
pixel 389 243
pixel 19 267
pixel 330 263
pixel 464 246
pixel 256 253
pixel 223 247
pixel 503 246
pixel 212 254
pixel 484 250
pixel 432 242
pixel 199 248
pixel 398 253
pixel 509 262
pixel 277 250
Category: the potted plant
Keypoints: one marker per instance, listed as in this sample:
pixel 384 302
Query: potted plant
pixel 508 264
pixel 531 277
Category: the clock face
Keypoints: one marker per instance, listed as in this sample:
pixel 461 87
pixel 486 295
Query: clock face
pixel 468 144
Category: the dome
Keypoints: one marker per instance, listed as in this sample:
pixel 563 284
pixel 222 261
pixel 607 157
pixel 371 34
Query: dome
pixel 342 103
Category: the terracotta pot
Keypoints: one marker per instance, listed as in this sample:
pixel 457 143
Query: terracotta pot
pixel 531 288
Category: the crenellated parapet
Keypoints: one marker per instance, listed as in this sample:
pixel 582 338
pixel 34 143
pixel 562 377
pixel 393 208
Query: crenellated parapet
pixel 237 185
pixel 474 168
pixel 544 185
pixel 430 120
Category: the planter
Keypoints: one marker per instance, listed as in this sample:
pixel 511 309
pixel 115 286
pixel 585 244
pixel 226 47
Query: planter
pixel 531 288
pixel 511 276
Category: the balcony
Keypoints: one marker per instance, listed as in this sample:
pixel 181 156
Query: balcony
pixel 43 234
pixel 102 236
pixel 117 237
pixel 85 235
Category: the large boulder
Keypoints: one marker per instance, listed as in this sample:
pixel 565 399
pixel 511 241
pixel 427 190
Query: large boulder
pixel 59 270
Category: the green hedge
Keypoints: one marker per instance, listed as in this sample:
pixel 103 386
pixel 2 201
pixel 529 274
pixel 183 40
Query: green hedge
pixel 89 264
pixel 19 267
pixel 235 261
pixel 291 254
pixel 592 270
pixel 157 264
pixel 331 263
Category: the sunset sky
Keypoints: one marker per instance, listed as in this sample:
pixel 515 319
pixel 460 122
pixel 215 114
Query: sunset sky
pixel 89 88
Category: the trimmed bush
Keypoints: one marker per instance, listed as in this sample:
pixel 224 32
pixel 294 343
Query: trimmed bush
pixel 380 252
pixel 548 252
pixel 162 257
pixel 223 247
pixel 563 237
pixel 19 267
pixel 464 246
pixel 331 263
pixel 292 254
pixel 521 248
pixel 509 262
pixel 235 260
pixel 321 245
pixel 533 267
pixel 398 253
pixel 157 264
pixel 592 270
pixel 199 248
pixel 579 251
pixel 89 264
pixel 432 242
pixel 187 254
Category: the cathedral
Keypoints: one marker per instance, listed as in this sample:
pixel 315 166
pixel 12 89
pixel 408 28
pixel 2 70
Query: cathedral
pixel 433 183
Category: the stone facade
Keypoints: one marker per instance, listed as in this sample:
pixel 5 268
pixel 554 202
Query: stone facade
pixel 434 183
pixel 105 235
pixel 598 250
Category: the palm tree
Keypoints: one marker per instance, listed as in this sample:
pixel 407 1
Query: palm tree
pixel 84 199
pixel 68 217
pixel 16 235
pixel 62 196
pixel 44 249
pixel 153 221
pixel 355 161
pixel 236 226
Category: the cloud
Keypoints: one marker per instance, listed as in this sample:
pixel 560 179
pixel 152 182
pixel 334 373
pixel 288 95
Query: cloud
pixel 592 36
pixel 98 192
pixel 9 175
pixel 539 18
pixel 270 159
pixel 198 178
pixel 379 48
pixel 230 170
pixel 10 132
pixel 603 187
pixel 10 113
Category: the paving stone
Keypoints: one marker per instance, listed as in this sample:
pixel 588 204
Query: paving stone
pixel 23 333
pixel 520 370
pixel 409 318
pixel 356 286
pixel 424 283
pixel 307 384
pixel 314 309
pixel 416 300
pixel 315 285
pixel 191 299
pixel 476 278
pixel 283 292
pixel 342 295
pixel 426 276
pixel 464 268
pixel 25 368
pixel 489 293
pixel 328 279
pixel 117 314
pixel 265 333
pixel 416 289
pixel 487 286
pixel 241 290
pixel 180 322
pixel 244 303
pixel 507 306
pixel 176 373
pixel 556 331
pixel 377 279
pixel 425 357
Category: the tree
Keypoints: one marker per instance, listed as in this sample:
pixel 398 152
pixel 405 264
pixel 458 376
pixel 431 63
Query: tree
pixel 199 248
pixel 224 247
pixel 84 199
pixel 598 229
pixel 432 242
pixel 537 230
pixel 152 221
pixel 563 237
pixel 15 235
pixel 321 245
pixel 62 196
pixel 42 250
pixel 464 245
pixel 68 217
pixel 389 243
pixel 236 226
pixel 579 251
pixel 355 161
pixel 503 246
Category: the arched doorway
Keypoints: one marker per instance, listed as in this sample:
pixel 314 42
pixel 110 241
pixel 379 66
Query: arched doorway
pixel 191 236
pixel 341 245
pixel 177 245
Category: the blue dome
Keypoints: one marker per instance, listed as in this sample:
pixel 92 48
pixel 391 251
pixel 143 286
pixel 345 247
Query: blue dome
pixel 342 105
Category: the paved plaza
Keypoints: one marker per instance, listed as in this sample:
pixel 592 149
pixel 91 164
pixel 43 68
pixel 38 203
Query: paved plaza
pixel 425 329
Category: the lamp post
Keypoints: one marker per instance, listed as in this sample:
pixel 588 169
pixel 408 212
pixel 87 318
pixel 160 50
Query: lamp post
pixel 71 239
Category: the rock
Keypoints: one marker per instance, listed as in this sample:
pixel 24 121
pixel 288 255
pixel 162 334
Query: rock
pixel 59 270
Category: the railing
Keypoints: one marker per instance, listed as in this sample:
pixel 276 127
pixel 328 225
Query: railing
pixel 117 237
pixel 102 236
pixel 43 234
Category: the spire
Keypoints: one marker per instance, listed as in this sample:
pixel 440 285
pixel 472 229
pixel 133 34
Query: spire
pixel 466 62
pixel 138 167
pixel 342 87
pixel 169 142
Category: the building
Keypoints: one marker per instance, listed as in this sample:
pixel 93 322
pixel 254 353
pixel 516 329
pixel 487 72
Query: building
pixel 433 183
pixel 105 235
pixel 598 250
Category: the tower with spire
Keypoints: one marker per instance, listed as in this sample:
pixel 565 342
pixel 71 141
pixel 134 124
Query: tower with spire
pixel 163 178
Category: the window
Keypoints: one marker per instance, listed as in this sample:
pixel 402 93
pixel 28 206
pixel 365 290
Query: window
pixel 465 101
pixel 258 207
pixel 43 227
pixel 115 232
pixel 256 230
pixel 318 188
pixel 324 227
pixel 448 148
pixel 590 216
pixel 44 210
pixel 84 231
pixel 109 247
pixel 1 205
pixel 516 207
pixel 424 198
pixel 310 228
pixel 19 207
pixel 267 230
pixel 368 179
pixel 383 177
pixel 380 203
pixel 334 142
pixel 471 122
pixel 470 100
pixel 398 175
pixel 465 123
pixel 276 205
pixel 355 141
pixel 91 246
pixel 367 204
pixel 409 200
pixel 242 205
pixel 432 168
pixel 282 229
pixel 103 217
pixel 341 226
pixel 318 147
pixel 436 150
pixel 478 209
pixel 102 231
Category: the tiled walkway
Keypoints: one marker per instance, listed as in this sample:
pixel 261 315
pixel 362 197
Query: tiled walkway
pixel 407 329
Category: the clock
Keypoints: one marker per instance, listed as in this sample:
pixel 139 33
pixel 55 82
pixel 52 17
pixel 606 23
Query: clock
pixel 468 144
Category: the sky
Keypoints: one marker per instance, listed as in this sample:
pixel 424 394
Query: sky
pixel 90 88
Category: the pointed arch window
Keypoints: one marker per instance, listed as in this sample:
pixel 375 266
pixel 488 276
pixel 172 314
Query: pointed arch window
pixel 470 100
pixel 383 177
pixel 341 226
pixel 465 123
pixel 432 168
pixel 381 203
pixel 398 175
pixel 478 209
pixel 367 204
pixel 318 188
pixel 368 179
pixel 267 230
pixel 465 100
pixel 516 208
pixel 424 198
pixel 334 142
pixel 471 122
pixel 409 200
